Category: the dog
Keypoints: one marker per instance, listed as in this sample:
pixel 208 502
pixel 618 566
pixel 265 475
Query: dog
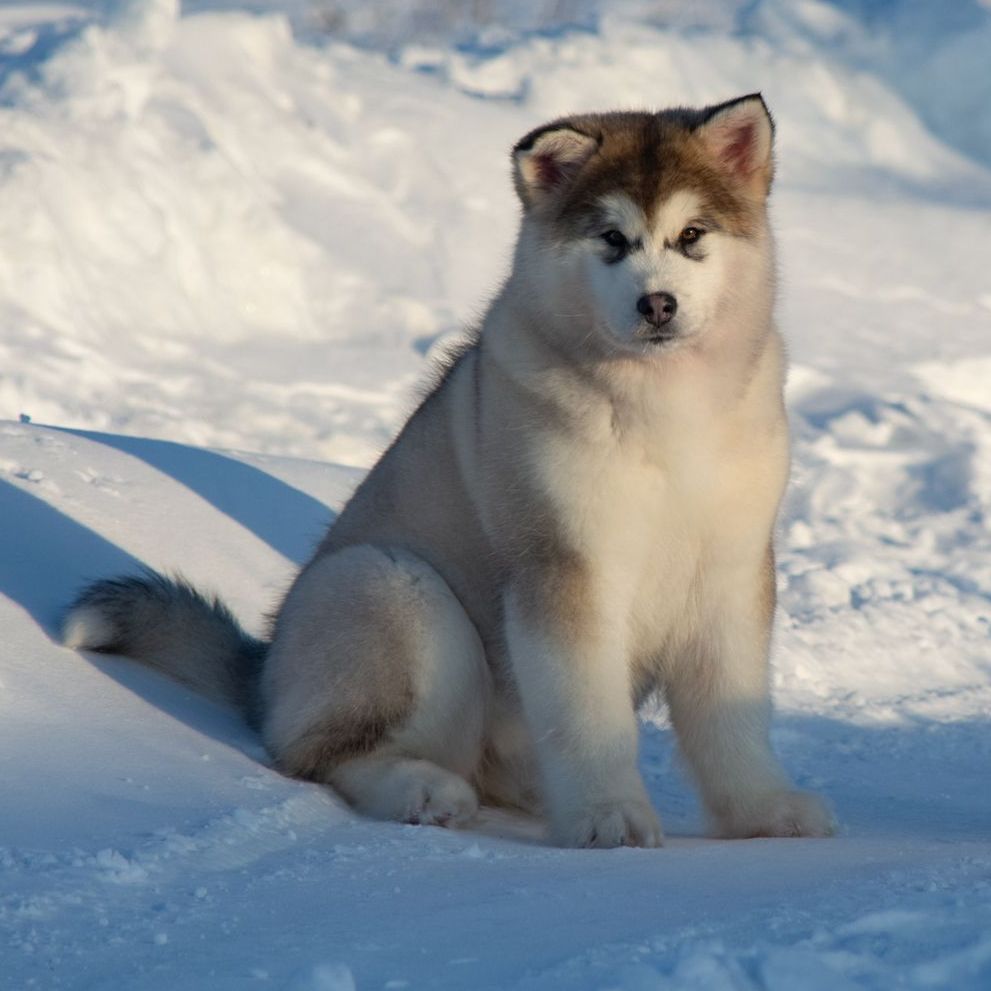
pixel 579 514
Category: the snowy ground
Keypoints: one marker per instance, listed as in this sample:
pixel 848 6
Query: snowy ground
pixel 232 231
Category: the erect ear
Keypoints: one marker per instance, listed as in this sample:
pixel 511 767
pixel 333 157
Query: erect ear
pixel 739 135
pixel 548 159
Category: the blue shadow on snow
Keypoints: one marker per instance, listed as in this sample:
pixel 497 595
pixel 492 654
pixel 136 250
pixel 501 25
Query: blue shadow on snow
pixel 288 520
pixel 47 556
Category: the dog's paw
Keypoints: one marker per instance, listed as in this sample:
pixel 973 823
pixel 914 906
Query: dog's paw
pixel 446 800
pixel 779 813
pixel 629 822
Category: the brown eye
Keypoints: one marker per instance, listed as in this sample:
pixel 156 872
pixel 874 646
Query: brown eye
pixel 616 239
pixel 690 235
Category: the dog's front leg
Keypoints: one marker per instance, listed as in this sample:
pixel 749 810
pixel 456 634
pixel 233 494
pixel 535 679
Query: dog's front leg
pixel 719 698
pixel 571 669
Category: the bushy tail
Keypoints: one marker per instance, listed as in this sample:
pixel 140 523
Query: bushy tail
pixel 166 624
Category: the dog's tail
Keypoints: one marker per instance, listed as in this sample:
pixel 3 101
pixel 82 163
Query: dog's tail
pixel 166 624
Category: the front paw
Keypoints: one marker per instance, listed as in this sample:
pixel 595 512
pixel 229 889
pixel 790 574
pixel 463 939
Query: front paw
pixel 613 823
pixel 778 813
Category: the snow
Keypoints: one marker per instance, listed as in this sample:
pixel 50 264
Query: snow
pixel 242 227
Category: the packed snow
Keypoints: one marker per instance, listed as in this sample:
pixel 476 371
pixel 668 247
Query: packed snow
pixel 245 227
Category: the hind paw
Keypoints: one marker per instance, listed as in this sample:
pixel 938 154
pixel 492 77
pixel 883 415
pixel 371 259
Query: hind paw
pixel 448 801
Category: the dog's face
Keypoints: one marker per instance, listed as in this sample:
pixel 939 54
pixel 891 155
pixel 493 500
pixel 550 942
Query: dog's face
pixel 637 226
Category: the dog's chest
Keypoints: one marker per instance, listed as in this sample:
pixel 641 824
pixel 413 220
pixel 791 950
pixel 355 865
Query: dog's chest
pixel 651 512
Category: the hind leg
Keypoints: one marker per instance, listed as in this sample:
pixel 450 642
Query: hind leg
pixel 376 683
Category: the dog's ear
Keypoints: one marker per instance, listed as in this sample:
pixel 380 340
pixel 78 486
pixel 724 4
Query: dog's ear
pixel 548 159
pixel 739 135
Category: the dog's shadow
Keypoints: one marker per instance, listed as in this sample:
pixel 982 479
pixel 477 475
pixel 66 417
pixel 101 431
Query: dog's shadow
pixel 279 514
pixel 46 557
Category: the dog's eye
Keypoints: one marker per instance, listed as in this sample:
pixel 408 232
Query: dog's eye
pixel 690 235
pixel 616 239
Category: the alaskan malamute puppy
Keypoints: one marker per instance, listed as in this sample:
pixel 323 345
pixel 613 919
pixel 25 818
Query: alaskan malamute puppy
pixel 579 513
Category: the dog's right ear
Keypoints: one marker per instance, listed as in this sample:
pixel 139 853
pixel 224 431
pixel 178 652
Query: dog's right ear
pixel 548 159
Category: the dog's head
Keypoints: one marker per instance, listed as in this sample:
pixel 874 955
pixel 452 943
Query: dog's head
pixel 637 226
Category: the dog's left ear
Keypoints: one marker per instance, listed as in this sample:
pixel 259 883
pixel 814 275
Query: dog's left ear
pixel 547 160
pixel 739 135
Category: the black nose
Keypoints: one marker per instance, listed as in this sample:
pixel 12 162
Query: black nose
pixel 657 307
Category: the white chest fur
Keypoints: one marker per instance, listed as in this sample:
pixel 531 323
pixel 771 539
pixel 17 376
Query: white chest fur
pixel 667 494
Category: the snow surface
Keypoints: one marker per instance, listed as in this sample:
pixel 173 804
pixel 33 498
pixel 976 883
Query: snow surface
pixel 242 229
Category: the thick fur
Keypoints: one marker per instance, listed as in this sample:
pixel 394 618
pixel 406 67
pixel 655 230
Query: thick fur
pixel 168 624
pixel 580 513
